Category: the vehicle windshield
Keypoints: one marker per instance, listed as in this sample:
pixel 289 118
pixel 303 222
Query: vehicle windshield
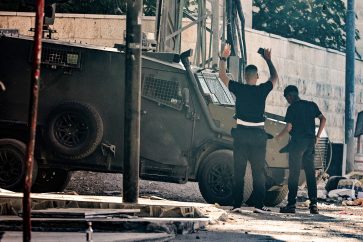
pixel 212 87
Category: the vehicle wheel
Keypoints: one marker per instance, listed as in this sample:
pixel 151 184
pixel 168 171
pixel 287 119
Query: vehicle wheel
pixel 12 164
pixel 51 180
pixel 274 198
pixel 332 183
pixel 215 178
pixel 74 130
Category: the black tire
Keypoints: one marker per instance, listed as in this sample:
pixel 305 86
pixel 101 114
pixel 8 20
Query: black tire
pixel 215 178
pixel 332 183
pixel 12 164
pixel 274 198
pixel 51 180
pixel 74 130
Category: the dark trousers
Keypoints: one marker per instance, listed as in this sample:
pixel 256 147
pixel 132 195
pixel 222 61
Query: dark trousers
pixel 249 145
pixel 301 153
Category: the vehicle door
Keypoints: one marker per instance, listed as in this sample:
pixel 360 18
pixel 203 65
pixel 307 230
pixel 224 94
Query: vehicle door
pixel 166 127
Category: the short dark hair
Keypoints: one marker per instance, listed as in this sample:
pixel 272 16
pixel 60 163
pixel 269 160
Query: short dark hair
pixel 251 69
pixel 291 90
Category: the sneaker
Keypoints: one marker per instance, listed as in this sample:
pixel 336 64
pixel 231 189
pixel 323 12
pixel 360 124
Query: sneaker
pixel 314 209
pixel 262 210
pixel 288 209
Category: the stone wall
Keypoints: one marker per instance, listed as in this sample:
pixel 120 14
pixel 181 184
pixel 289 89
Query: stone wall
pixel 318 72
pixel 359 23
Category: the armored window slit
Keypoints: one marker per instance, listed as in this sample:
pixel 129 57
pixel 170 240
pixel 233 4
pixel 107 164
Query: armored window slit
pixel 213 87
pixel 165 92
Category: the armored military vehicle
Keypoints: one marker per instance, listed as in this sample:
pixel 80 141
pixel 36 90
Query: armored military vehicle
pixel 187 115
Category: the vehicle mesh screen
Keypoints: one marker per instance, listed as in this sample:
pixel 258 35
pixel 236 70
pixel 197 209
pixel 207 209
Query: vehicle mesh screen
pixel 60 57
pixel 164 92
pixel 212 86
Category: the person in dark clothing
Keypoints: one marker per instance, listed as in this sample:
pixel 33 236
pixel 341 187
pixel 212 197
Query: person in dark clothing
pixel 300 123
pixel 249 136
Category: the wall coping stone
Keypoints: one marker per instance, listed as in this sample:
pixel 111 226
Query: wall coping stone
pixel 102 16
pixel 296 41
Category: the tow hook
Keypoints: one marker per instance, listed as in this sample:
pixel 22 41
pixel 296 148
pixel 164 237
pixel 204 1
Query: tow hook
pixel 109 151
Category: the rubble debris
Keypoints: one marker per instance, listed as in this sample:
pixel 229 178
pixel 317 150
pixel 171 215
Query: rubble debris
pixel 352 184
pixel 332 182
pixel 356 202
pixel 342 193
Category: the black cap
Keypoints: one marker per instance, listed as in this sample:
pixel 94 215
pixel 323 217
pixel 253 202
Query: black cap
pixel 289 89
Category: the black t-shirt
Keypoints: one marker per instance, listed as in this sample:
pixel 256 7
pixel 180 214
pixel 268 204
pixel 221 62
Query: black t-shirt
pixel 301 114
pixel 250 100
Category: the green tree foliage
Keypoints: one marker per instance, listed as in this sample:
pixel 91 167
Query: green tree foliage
pixel 11 5
pixel 318 22
pixel 82 6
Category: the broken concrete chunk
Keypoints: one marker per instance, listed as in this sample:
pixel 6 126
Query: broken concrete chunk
pixel 342 193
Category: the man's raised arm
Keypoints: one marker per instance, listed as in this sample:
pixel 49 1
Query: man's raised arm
pixel 273 73
pixel 222 64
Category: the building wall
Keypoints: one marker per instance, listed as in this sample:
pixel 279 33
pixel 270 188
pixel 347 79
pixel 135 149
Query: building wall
pixel 359 23
pixel 318 72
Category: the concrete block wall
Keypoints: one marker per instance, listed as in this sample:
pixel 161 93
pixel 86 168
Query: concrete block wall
pixel 319 73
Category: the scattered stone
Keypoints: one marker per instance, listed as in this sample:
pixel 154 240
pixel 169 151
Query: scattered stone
pixel 356 202
pixel 213 222
pixel 223 217
pixel 217 205
pixel 112 193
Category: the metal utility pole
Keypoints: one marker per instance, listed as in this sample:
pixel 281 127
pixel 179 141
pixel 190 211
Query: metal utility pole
pixel 349 86
pixel 32 119
pixel 215 31
pixel 132 101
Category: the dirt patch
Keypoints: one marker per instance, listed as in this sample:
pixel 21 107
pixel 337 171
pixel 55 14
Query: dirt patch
pixel 335 223
pixel 94 183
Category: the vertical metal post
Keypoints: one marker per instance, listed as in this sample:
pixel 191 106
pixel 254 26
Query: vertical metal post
pixel 358 145
pixel 132 101
pixel 203 34
pixel 215 33
pixel 179 25
pixel 32 118
pixel 159 5
pixel 199 34
pixel 349 85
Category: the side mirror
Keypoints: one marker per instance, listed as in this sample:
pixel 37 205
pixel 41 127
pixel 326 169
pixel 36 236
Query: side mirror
pixel 2 87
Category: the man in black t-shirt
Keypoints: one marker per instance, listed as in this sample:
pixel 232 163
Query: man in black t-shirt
pixel 300 122
pixel 249 137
